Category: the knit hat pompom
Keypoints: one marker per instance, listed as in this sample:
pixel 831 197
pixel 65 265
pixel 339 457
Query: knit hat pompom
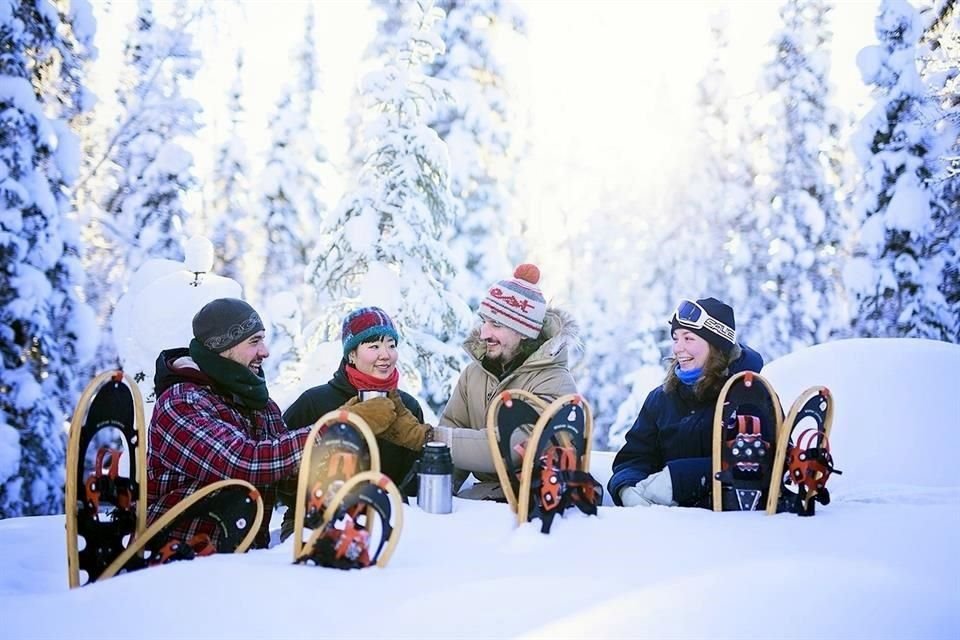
pixel 517 302
pixel 528 272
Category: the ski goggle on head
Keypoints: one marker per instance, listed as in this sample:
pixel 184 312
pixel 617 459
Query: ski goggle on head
pixel 690 315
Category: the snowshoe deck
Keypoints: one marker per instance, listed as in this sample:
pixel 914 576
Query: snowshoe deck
pixel 746 425
pixel 556 464
pixel 233 506
pixel 510 410
pixel 803 460
pixel 361 525
pixel 340 446
pixel 106 502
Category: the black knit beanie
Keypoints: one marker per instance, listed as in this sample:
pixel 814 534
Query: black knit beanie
pixel 225 322
pixel 720 329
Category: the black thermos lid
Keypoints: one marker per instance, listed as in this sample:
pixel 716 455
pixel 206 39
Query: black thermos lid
pixel 436 459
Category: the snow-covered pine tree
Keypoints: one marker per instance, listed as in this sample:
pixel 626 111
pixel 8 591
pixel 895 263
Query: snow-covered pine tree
pixel 797 305
pixel 45 330
pixel 621 318
pixel 697 262
pixel 139 182
pixel 383 47
pixel 382 244
pixel 291 185
pixel 941 72
pixel 898 265
pixel 737 232
pixel 480 130
pixel 69 104
pixel 228 215
pixel 73 50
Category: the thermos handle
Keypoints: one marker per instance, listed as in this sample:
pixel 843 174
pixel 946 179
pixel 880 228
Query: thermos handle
pixel 409 479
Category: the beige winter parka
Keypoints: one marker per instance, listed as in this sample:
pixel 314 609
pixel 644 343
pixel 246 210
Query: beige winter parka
pixel 544 373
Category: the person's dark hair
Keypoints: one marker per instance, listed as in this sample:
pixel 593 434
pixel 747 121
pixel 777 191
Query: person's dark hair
pixel 716 371
pixel 376 338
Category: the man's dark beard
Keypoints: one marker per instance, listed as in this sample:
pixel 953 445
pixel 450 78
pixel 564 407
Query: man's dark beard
pixel 500 368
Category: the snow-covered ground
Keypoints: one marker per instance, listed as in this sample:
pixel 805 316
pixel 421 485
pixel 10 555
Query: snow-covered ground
pixel 879 562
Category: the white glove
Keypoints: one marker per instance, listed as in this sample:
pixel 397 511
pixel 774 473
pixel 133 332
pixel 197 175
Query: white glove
pixel 657 488
pixel 444 435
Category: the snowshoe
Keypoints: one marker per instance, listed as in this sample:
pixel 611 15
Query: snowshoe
pixel 556 463
pixel 511 410
pixel 106 492
pixel 808 464
pixel 360 527
pixel 340 446
pixel 231 510
pixel 746 423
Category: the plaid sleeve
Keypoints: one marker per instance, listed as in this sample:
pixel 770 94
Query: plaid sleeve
pixel 193 434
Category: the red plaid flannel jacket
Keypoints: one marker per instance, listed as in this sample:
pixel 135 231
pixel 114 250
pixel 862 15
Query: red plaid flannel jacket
pixel 198 436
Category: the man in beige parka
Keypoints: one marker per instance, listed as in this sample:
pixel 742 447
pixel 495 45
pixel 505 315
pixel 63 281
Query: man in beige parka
pixel 520 344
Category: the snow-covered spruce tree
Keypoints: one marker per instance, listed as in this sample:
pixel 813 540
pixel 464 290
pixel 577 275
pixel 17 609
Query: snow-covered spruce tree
pixel 897 269
pixel 797 304
pixel 738 227
pixel 382 244
pixel 480 130
pixel 45 330
pixel 68 97
pixel 291 185
pixel 383 48
pixel 621 318
pixel 697 262
pixel 228 215
pixel 139 182
pixel 941 71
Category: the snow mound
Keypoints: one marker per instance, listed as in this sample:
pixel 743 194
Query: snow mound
pixel 895 422
pixel 156 312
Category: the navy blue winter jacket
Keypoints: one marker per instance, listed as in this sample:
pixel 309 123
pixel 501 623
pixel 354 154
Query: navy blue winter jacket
pixel 674 430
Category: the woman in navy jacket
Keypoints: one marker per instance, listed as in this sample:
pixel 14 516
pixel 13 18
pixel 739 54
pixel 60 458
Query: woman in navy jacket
pixel 667 456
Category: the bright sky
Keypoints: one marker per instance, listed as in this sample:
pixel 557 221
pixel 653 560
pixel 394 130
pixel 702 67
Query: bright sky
pixel 612 96
pixel 609 85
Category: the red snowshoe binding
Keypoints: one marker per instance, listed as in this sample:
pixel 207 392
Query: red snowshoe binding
pixel 345 538
pixel 557 484
pixel 555 474
pixel 810 465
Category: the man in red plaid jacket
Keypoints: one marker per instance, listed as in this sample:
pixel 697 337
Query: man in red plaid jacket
pixel 213 418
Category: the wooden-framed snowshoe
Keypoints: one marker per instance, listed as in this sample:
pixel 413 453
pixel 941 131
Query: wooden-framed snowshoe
pixel 511 410
pixel 556 464
pixel 746 423
pixel 232 509
pixel 106 491
pixel 804 461
pixel 339 446
pixel 361 525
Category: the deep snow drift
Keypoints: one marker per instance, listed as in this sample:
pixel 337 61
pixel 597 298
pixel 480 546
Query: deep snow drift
pixel 877 563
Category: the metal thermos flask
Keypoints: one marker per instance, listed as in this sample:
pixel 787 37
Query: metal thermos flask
pixel 435 487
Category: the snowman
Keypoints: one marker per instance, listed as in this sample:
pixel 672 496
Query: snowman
pixel 157 310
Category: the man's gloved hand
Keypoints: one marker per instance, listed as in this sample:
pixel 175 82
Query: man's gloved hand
pixel 406 430
pixel 657 488
pixel 378 413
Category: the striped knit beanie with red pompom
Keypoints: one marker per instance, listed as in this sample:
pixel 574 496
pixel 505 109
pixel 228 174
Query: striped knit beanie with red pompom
pixel 517 302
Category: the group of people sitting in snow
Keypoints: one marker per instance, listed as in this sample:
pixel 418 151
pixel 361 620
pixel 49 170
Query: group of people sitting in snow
pixel 214 418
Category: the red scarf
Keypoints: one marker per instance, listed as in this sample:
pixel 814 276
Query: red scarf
pixel 364 381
